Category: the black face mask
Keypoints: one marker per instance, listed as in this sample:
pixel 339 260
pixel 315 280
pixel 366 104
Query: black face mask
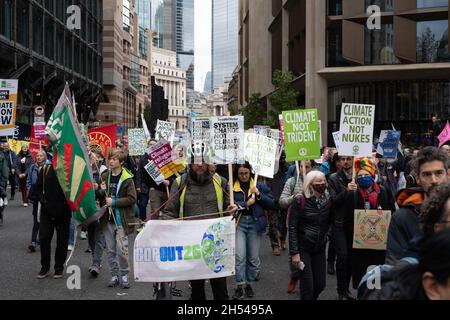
pixel 200 178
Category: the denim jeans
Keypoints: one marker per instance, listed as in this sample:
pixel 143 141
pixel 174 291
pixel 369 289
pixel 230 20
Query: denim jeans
pixel 248 243
pixel 117 248
pixel 96 243
pixel 72 232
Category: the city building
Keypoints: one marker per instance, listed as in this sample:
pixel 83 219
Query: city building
pixel 173 81
pixel 207 88
pixel 38 48
pixel 127 62
pixel 402 66
pixel 173 24
pixel 224 40
pixel 217 102
pixel 233 92
pixel 196 102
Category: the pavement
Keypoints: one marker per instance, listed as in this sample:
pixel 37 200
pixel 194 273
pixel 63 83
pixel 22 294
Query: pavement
pixel 19 270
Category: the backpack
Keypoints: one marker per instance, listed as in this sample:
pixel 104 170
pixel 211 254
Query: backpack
pixel 378 276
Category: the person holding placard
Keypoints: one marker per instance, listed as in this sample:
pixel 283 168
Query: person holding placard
pixel 365 194
pixel 251 226
pixel 310 220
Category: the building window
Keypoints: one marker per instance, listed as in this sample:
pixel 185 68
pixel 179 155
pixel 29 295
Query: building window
pixel 378 46
pixel 432 41
pixel 431 3
pixel 6 18
pixel 37 30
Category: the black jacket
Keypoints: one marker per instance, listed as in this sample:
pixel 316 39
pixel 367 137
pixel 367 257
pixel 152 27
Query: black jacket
pixel 51 195
pixel 276 184
pixel 23 167
pixel 143 179
pixel 308 229
pixel 405 224
pixel 338 183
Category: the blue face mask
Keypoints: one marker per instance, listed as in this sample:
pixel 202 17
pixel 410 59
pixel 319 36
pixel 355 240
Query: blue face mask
pixel 365 182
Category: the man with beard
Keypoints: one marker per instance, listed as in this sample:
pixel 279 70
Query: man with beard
pixel 198 193
pixel 432 170
pixel 338 183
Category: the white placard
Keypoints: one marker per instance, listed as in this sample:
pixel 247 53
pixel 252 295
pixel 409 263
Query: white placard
pixel 228 139
pixel 260 152
pixel 165 131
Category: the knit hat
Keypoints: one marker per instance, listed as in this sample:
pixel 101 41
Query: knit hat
pixel 365 164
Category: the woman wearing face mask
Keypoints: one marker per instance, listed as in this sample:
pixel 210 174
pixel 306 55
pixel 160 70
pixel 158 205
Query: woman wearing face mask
pixel 365 194
pixel 309 223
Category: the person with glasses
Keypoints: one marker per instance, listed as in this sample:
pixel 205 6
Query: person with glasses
pixel 251 225
pixel 431 168
pixel 365 194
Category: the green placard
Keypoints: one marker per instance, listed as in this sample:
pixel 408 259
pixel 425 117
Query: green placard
pixel 301 134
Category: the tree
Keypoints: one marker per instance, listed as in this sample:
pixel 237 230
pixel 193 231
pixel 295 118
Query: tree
pixel 284 97
pixel 253 112
pixel 427 49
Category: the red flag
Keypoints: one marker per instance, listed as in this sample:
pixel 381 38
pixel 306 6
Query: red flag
pixel 445 135
pixel 102 138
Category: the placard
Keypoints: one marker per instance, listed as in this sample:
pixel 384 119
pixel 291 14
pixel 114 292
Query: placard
pixel 371 229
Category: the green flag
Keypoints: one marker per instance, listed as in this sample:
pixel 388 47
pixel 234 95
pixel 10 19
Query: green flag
pixel 301 134
pixel 71 160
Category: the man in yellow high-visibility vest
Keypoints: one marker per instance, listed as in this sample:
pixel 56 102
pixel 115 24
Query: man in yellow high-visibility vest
pixel 200 193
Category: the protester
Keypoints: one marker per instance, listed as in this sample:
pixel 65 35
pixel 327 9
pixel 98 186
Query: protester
pixel 32 180
pixel 291 192
pixel 338 183
pixel 435 215
pixel 118 223
pixel 197 193
pixel 364 194
pixel 278 229
pixel 96 238
pixel 4 176
pixel 428 278
pixel 251 226
pixel 24 161
pixel 436 129
pixel 148 189
pixel 446 148
pixel 432 167
pixel 55 215
pixel 11 159
pixel 308 227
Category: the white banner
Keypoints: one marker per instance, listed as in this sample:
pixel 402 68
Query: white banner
pixel 228 139
pixel 175 250
pixel 260 152
pixel 201 130
pixel 337 142
pixel 356 130
pixel 165 130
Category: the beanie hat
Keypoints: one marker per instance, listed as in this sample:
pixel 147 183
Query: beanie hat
pixel 365 164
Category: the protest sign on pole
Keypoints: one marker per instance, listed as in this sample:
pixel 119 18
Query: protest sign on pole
pixel 201 130
pixel 137 142
pixel 144 125
pixel 165 131
pixel 178 250
pixel 154 172
pixel 260 152
pixel 8 106
pixel 445 135
pixel 388 146
pixel 39 122
pixel 228 139
pixel 162 155
pixel 301 134
pixel 356 130
pixel 280 118
pixel 337 142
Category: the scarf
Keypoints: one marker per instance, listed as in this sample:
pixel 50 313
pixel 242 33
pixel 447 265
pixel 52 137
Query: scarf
pixel 371 197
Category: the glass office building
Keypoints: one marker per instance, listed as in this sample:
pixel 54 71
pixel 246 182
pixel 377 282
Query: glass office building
pixel 184 38
pixel 224 40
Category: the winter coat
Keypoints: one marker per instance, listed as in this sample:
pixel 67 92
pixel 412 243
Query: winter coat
pixel 143 179
pixel 361 259
pixel 23 167
pixel 308 228
pixel 32 179
pixel 200 198
pixel 264 202
pixel 4 172
pixel 292 189
pixel 338 183
pixel 405 223
pixel 277 183
pixel 123 204
pixel 51 195
pixel 11 159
